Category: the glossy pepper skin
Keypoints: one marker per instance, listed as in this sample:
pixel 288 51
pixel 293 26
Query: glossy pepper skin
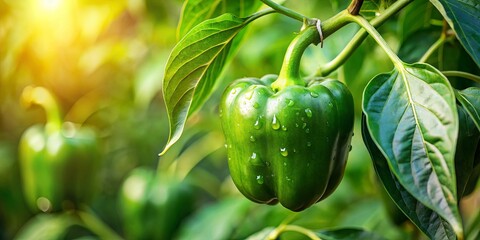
pixel 59 161
pixel 154 206
pixel 290 144
pixel 467 154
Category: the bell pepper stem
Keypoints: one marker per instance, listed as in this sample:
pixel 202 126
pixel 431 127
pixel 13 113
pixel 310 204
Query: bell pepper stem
pixel 290 71
pixel 42 97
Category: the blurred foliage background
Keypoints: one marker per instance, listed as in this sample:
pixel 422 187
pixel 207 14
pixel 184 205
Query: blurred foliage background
pixel 104 61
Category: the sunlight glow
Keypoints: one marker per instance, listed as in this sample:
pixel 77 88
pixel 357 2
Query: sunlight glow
pixel 50 5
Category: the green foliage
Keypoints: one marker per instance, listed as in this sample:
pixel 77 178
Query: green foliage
pixel 463 16
pixel 105 61
pixel 418 139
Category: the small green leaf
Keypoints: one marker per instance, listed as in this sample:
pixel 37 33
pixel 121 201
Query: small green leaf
pixel 428 221
pixel 197 11
pixel 46 226
pixel 412 118
pixel 470 100
pixel 464 17
pixel 347 233
pixel 195 62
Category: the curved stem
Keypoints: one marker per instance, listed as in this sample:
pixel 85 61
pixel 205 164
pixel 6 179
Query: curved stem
pixel 433 48
pixel 354 7
pixel 361 35
pixel 291 228
pixel 284 10
pixel 378 38
pixel 290 71
pixel 42 97
pixel 98 227
pixel 462 75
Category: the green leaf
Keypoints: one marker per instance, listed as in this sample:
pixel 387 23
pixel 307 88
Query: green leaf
pixel 464 17
pixel 46 226
pixel 428 221
pixel 412 118
pixel 197 11
pixel 217 221
pixel 346 234
pixel 194 65
pixel 263 234
pixel 470 100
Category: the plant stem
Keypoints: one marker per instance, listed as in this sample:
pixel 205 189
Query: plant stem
pixel 292 228
pixel 354 7
pixel 462 75
pixel 378 38
pixel 341 58
pixel 97 226
pixel 284 10
pixel 433 48
pixel 290 71
pixel 42 97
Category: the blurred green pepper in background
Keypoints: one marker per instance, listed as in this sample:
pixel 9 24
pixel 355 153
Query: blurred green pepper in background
pixel 59 162
pixel 154 206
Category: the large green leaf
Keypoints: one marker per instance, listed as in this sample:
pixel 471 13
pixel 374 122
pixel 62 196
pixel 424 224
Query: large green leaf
pixel 194 65
pixel 428 221
pixel 197 11
pixel 470 100
pixel 217 221
pixel 412 118
pixel 464 17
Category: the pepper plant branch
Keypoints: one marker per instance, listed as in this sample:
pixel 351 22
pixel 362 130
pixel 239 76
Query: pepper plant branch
pixel 284 10
pixel 462 75
pixel 378 38
pixel 42 97
pixel 291 228
pixel 342 57
pixel 355 6
pixel 290 71
pixel 433 48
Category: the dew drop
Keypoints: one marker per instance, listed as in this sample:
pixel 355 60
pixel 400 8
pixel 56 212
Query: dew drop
pixel 267 164
pixel 275 123
pixel 330 105
pixel 258 124
pixel 290 102
pixel 255 160
pixel 297 113
pixel 284 152
pixel 307 130
pixel 296 125
pixel 304 125
pixel 233 91
pixel 252 138
pixel 308 112
pixel 284 128
pixel 226 146
pixel 309 144
pixel 284 163
pixel 260 179
pixel 255 105
pixel 314 94
pixel 350 148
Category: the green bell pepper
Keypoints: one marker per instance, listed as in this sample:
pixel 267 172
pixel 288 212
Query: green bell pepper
pixel 154 206
pixel 59 162
pixel 287 140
